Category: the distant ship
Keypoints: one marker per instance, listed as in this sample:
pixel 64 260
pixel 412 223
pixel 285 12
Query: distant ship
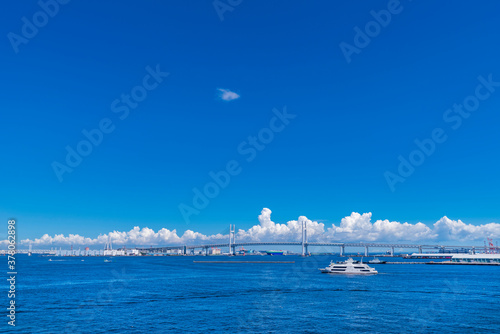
pixel 376 261
pixel 243 251
pixel 275 252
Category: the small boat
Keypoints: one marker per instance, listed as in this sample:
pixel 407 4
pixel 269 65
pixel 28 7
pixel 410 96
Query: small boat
pixel 349 267
pixel 376 261
pixel 106 260
pixel 275 252
pixel 50 259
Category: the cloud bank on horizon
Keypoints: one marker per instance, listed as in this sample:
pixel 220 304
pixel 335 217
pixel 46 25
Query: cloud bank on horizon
pixel 356 227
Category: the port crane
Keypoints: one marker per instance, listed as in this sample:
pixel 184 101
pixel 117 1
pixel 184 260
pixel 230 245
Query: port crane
pixel 490 248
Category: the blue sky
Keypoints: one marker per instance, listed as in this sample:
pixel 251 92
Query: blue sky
pixel 353 120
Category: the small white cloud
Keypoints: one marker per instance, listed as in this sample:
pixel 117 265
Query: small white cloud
pixel 227 95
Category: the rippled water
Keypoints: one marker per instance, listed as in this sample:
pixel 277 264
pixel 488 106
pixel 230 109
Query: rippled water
pixel 173 294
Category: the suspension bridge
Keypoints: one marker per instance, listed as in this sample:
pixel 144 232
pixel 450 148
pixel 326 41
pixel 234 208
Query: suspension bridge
pixel 232 246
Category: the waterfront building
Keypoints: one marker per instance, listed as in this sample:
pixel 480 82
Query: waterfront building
pixel 476 258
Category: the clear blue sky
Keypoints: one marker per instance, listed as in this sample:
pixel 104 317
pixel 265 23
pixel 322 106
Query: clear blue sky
pixel 353 119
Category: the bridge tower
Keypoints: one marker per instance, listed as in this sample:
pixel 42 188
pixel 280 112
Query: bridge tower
pixel 232 239
pixel 342 250
pixel 392 251
pixel 366 250
pixel 304 238
pixel 305 234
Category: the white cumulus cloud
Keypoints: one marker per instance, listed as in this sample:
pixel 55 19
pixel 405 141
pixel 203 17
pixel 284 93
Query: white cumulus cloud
pixel 448 229
pixel 358 227
pixel 227 95
pixel 268 230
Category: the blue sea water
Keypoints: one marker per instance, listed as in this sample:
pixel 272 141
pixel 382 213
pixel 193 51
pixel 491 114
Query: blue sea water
pixel 175 295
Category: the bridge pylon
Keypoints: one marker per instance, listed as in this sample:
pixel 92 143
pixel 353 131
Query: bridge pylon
pixel 304 238
pixel 232 239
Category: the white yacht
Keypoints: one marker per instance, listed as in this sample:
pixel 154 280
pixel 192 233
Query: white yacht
pixel 349 267
pixel 376 260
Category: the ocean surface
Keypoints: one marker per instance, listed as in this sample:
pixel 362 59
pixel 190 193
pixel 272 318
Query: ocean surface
pixel 175 295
